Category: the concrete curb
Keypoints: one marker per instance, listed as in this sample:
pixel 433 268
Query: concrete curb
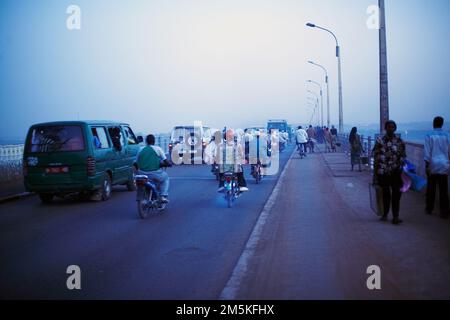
pixel 15 197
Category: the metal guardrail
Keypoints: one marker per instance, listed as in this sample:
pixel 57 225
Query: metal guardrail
pixel 11 162
pixel 11 152
pixel 414 151
pixel 368 142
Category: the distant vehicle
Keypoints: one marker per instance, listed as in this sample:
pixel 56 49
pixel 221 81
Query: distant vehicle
pixel 280 125
pixel 79 156
pixel 256 129
pixel 189 140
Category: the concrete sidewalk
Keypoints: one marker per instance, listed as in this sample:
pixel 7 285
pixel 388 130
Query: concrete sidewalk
pixel 323 235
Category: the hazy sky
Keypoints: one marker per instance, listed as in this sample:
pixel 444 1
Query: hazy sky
pixel 161 63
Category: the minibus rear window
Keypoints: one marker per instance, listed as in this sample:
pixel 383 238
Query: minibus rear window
pixel 56 139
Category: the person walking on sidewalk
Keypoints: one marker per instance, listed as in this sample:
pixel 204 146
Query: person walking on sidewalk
pixel 389 156
pixel 328 139
pixel 437 155
pixel 356 148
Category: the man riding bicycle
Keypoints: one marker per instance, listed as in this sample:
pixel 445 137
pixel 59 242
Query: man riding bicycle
pixel 301 138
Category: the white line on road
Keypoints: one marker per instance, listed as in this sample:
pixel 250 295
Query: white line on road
pixel 234 283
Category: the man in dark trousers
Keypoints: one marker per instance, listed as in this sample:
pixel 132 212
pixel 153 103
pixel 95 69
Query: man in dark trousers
pixel 389 156
pixel 437 155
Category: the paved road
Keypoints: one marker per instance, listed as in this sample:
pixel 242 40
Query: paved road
pixel 188 252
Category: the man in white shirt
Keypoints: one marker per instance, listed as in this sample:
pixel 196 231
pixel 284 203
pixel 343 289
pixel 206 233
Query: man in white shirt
pixel 230 156
pixel 301 138
pixel 437 155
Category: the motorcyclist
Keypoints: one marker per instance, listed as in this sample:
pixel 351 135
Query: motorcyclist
pixel 259 150
pixel 150 160
pixel 230 156
pixel 285 136
pixel 281 139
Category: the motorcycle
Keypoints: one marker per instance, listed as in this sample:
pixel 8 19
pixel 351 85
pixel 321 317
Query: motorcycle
pixel 257 172
pixel 147 196
pixel 231 186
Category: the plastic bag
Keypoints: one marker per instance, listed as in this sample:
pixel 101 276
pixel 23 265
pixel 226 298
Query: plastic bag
pixel 417 182
pixel 406 183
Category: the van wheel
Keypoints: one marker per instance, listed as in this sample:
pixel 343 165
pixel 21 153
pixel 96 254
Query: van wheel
pixel 131 184
pixel 106 187
pixel 46 197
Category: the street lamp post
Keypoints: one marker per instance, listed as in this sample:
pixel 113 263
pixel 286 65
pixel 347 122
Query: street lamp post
pixel 328 90
pixel 316 100
pixel 338 55
pixel 313 113
pixel 321 99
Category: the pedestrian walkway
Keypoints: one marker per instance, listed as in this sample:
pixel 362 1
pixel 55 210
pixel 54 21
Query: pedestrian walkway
pixel 322 236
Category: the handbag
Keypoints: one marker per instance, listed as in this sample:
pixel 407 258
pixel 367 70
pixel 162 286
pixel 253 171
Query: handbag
pixel 376 199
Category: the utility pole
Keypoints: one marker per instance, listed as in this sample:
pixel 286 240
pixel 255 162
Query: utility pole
pixel 384 86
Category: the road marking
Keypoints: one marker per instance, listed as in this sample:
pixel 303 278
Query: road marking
pixel 234 283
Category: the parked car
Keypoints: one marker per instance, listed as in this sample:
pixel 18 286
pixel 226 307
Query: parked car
pixel 79 156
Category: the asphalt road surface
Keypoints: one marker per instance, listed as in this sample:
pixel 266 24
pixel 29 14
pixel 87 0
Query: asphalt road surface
pixel 188 252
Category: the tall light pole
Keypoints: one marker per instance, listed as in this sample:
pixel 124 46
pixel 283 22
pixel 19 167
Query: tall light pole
pixel 313 113
pixel 384 87
pixel 321 99
pixel 338 55
pixel 328 90
pixel 317 105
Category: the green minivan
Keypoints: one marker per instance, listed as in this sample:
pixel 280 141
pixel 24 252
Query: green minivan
pixel 67 157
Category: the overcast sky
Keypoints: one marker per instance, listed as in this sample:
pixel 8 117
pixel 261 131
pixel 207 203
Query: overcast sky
pixel 157 64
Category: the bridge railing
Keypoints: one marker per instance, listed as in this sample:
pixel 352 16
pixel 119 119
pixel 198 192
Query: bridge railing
pixel 368 142
pixel 11 162
pixel 414 151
